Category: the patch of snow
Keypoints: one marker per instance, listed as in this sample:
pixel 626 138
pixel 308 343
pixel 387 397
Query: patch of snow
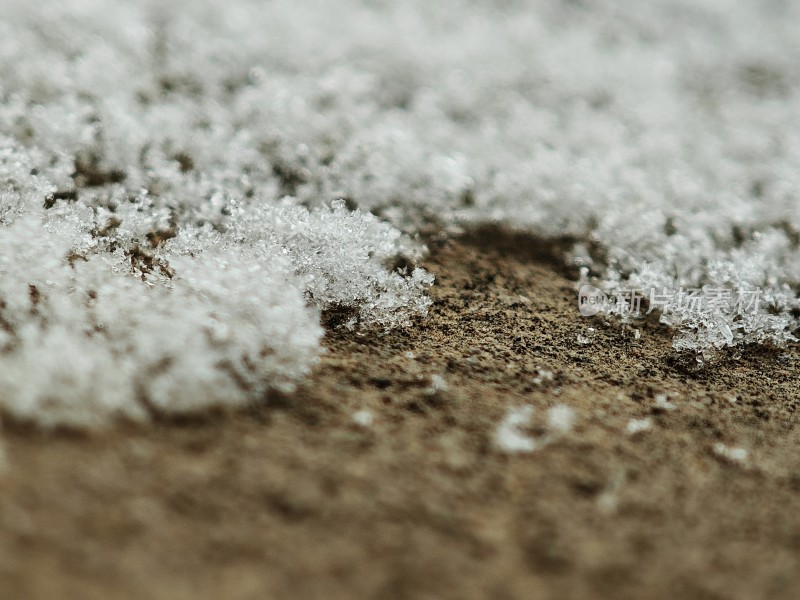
pixel 560 418
pixel 438 384
pixel 734 455
pixel 509 436
pixel 661 402
pixel 363 417
pixel 639 425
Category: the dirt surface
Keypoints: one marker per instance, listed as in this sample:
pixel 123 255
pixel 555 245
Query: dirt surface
pixel 294 499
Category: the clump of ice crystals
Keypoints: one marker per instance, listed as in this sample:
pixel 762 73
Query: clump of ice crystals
pixel 185 185
pixel 121 308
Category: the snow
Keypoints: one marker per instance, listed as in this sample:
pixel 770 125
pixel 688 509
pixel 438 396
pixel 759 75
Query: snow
pixel 185 186
pixel 438 384
pixel 661 402
pixel 364 418
pixel 510 436
pixel 636 426
pixel 560 418
pixel 734 455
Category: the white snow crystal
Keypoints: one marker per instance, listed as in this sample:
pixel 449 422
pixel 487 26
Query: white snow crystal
pixel 587 337
pixel 639 425
pixel 560 418
pixel 661 402
pixel 363 417
pixel 736 455
pixel 509 436
pixel 438 384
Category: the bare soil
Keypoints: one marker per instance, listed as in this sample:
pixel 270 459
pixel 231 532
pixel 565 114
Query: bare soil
pixel 294 499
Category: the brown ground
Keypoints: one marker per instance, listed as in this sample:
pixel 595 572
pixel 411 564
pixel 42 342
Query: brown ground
pixel 292 499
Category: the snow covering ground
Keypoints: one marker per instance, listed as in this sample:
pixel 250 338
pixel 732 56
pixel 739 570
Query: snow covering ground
pixel 185 185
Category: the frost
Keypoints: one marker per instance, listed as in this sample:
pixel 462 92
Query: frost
pixel 186 187
pixel 89 340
